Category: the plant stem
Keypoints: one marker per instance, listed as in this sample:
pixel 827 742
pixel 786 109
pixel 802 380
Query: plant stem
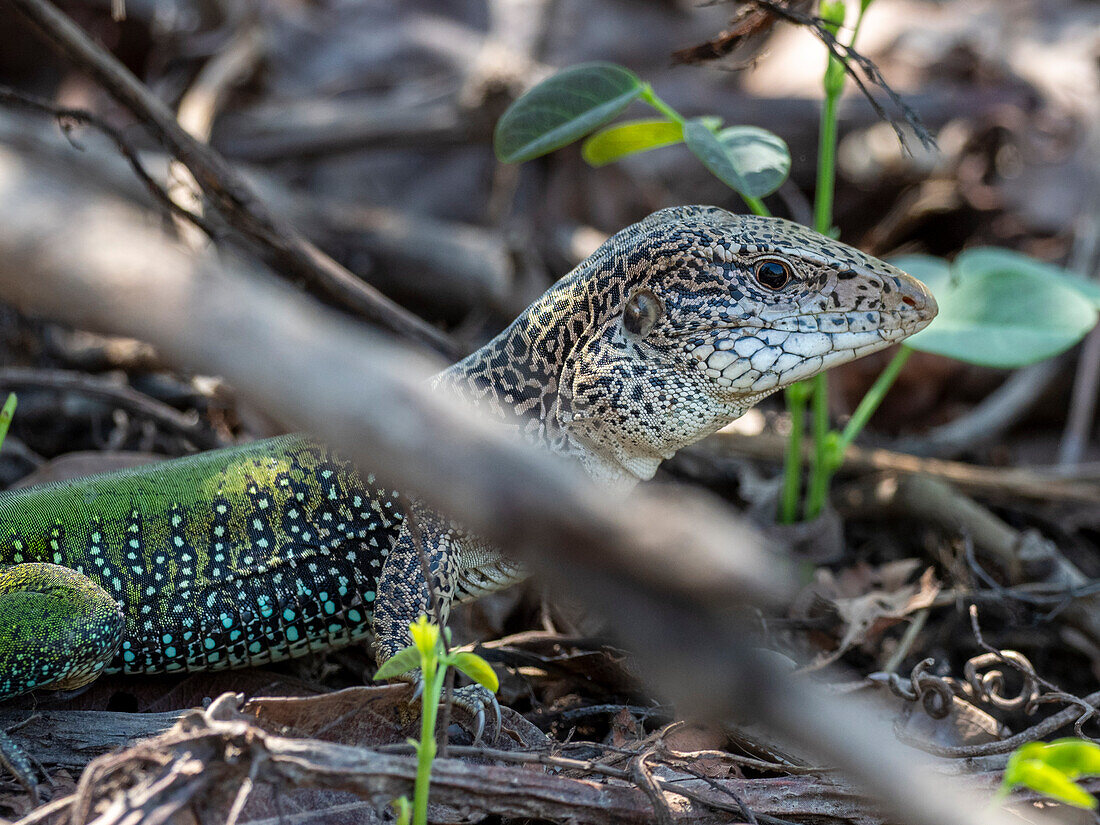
pixel 6 415
pixel 820 471
pixel 826 164
pixel 650 97
pixel 426 748
pixel 795 396
pixel 757 206
pixel 818 487
pixel 873 398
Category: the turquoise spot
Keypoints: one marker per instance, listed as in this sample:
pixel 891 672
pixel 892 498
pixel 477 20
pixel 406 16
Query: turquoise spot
pixel 266 611
pixel 330 607
pixel 227 622
pixel 128 656
pixel 355 615
pixel 208 644
pixel 255 647
pixel 369 595
pixel 170 652
pixel 292 634
pixel 236 634
pixel 288 614
pixel 166 639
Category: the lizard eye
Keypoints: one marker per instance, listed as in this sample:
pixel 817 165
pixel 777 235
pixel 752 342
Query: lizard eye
pixel 642 312
pixel 772 274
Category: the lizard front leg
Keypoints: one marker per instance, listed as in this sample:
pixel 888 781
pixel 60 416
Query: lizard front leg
pixel 444 547
pixel 406 592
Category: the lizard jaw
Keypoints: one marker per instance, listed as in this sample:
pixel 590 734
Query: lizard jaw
pixel 762 355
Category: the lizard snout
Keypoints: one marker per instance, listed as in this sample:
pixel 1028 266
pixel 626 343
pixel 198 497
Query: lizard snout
pixel 915 295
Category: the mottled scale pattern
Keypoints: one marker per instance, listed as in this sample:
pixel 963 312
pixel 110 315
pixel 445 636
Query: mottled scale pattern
pixel 237 557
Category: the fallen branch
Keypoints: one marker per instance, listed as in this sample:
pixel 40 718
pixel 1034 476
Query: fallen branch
pixel 190 426
pixel 1040 484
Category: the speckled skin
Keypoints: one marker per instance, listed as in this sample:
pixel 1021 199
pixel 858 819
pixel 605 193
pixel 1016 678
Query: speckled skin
pixel 280 548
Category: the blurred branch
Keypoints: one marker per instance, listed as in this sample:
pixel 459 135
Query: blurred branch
pixel 1002 483
pixel 664 567
pixel 225 189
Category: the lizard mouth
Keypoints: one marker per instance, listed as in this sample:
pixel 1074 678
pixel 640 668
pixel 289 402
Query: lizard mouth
pixel 758 355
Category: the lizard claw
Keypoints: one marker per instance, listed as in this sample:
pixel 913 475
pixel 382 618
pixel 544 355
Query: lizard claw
pixel 477 701
pixel 474 700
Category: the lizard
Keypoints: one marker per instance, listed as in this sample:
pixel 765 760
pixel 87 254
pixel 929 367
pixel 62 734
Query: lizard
pixel 279 548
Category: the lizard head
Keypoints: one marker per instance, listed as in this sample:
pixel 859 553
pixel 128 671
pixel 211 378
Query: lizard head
pixel 694 314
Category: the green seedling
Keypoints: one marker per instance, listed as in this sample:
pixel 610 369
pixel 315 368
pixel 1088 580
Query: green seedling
pixel 1049 768
pixel 428 653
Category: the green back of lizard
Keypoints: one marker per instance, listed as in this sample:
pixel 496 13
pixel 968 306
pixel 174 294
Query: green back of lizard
pixel 235 557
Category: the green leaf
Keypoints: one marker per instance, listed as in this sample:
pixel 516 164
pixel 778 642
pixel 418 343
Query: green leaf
pixel 401 662
pixel 1073 757
pixel 1002 316
pixel 1047 780
pixel 997 259
pixel 629 138
pixel 477 669
pixel 562 109
pixel 762 157
pixel 750 160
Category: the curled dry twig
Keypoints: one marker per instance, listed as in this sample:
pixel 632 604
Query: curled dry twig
pixel 220 747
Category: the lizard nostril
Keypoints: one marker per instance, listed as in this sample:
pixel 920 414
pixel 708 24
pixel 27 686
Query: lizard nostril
pixel 909 300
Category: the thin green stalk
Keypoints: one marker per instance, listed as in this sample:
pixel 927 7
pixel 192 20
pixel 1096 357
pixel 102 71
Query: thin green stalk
pixel 6 415
pixel 650 97
pixel 826 155
pixel 796 396
pixel 820 470
pixel 873 398
pixel 426 747
pixel 757 206
pixel 823 219
pixel 818 487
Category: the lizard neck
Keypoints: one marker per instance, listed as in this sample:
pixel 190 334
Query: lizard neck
pixel 516 378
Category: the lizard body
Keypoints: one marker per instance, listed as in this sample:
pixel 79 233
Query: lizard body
pixel 252 554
